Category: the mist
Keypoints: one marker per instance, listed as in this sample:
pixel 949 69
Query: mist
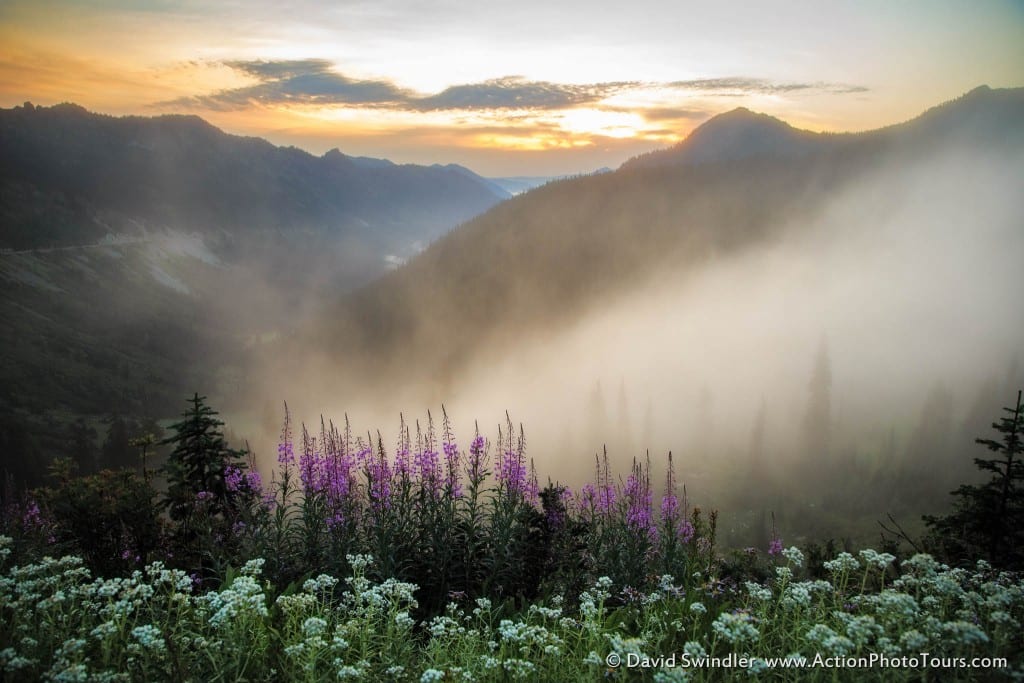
pixel 773 372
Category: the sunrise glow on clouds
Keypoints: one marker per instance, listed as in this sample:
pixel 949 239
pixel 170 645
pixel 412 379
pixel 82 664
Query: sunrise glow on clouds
pixel 518 89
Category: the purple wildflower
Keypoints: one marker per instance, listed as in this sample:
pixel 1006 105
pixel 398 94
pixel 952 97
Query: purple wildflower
pixel 512 472
pixel 605 497
pixel 428 468
pixel 253 480
pixel 451 457
pixel 402 466
pixel 477 458
pixel 285 448
pixel 378 476
pixel 637 495
pixel 234 480
pixel 32 518
pixel 669 508
pixel 775 545
pixel 686 531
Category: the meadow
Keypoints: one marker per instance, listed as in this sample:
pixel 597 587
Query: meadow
pixel 439 560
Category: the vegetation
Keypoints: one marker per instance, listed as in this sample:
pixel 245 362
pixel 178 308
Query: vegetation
pixel 439 562
pixel 988 519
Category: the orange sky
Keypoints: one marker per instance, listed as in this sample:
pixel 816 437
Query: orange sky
pixel 528 89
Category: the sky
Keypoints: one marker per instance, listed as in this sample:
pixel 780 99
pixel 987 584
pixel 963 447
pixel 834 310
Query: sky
pixel 522 88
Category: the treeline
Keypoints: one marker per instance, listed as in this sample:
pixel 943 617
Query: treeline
pixel 471 520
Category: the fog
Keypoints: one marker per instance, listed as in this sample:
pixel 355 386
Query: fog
pixel 872 343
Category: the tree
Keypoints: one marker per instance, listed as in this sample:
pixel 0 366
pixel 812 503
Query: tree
pixel 818 418
pixel 987 521
pixel 196 467
pixel 117 451
pixel 206 493
pixel 82 445
pixel 108 518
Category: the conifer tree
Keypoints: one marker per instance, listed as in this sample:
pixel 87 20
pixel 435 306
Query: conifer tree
pixel 195 468
pixel 818 417
pixel 988 519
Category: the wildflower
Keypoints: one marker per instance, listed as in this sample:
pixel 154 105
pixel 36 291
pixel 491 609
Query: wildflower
pixel 379 475
pixel 873 558
pixel 757 666
pixel 794 556
pixel 149 637
pixel 637 494
pixel 519 668
pixel 673 675
pixel 757 591
pixel 913 641
pixel 775 545
pixel 451 457
pixel 314 626
pixel 253 567
pixel 964 633
pixel 844 562
pixel 477 457
pixel 735 627
pixel 797 595
pixel 694 649
pixel 32 518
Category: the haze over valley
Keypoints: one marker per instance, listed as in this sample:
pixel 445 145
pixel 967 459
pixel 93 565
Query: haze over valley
pixel 778 308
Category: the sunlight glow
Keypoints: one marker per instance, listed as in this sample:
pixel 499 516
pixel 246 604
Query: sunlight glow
pixel 611 124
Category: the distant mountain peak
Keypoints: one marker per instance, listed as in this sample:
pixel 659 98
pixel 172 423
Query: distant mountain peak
pixel 737 134
pixel 740 118
pixel 741 134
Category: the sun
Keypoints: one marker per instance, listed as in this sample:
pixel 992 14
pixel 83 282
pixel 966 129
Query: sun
pixel 612 124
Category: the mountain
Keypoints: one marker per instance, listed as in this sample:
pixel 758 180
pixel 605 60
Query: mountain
pixel 518 184
pixel 70 177
pixel 741 134
pixel 738 135
pixel 142 259
pixel 530 266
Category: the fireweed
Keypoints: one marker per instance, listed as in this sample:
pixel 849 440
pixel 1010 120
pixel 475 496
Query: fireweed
pixel 477 574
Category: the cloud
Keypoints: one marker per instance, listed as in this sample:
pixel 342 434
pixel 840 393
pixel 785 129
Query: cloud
pixel 304 81
pixel 316 82
pixel 738 85
pixel 674 114
pixel 515 92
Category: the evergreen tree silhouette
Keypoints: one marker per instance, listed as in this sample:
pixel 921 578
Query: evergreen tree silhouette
pixel 195 468
pixel 818 418
pixel 988 519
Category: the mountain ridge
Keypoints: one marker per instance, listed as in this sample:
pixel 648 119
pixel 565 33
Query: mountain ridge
pixel 180 172
pixel 742 134
pixel 552 254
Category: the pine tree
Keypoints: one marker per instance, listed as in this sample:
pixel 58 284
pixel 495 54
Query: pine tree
pixel 82 446
pixel 195 468
pixel 117 452
pixel 818 417
pixel 988 519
